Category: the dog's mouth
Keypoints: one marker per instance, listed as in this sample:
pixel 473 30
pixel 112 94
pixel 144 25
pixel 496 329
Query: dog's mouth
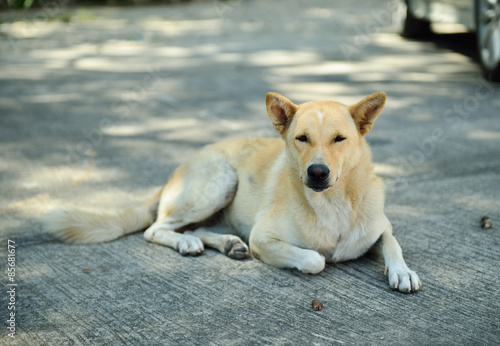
pixel 318 188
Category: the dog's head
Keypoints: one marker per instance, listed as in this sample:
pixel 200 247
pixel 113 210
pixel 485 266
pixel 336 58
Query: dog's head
pixel 323 138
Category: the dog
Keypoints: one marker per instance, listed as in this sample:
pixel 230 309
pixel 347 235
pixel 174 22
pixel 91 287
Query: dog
pixel 302 201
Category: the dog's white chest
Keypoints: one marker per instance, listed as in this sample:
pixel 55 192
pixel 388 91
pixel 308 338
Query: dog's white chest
pixel 333 217
pixel 332 214
pixel 337 236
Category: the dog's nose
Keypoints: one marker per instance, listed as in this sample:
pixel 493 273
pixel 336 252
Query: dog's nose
pixel 318 173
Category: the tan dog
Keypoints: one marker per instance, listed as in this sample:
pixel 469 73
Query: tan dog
pixel 299 202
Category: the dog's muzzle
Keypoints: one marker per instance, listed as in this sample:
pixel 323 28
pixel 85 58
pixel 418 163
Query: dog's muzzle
pixel 318 177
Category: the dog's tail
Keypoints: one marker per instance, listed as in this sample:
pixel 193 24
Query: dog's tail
pixel 86 227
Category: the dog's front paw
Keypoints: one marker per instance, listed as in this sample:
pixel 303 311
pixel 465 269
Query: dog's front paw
pixel 311 262
pixel 402 278
pixel 190 245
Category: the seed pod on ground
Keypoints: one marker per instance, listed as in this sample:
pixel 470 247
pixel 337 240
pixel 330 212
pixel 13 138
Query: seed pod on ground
pixel 486 222
pixel 317 305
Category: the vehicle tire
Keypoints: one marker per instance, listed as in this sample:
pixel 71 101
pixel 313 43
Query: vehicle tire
pixel 411 26
pixel 487 13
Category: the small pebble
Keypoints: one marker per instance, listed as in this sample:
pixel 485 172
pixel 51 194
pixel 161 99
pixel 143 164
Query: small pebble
pixel 486 222
pixel 317 305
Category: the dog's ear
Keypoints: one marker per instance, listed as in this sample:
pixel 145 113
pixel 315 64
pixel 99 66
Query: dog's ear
pixel 366 111
pixel 280 111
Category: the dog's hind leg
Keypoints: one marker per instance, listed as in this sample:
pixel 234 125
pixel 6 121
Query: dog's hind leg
pixel 196 191
pixel 227 243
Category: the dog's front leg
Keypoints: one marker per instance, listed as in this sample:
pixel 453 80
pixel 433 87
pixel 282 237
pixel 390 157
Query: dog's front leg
pixel 400 276
pixel 269 248
pixel 163 233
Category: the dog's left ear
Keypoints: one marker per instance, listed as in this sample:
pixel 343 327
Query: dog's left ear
pixel 366 111
pixel 280 110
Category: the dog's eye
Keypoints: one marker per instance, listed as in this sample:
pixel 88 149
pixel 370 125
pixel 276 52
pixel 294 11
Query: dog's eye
pixel 339 138
pixel 302 138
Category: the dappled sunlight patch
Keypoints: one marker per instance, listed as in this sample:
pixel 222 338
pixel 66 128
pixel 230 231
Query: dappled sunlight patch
pixel 391 40
pixel 449 28
pixel 32 29
pixel 437 66
pixel 316 91
pixel 29 72
pixel 282 57
pixel 122 48
pixel 320 69
pixel 393 76
pixel 56 64
pixel 403 102
pixel 182 27
pixel 205 132
pixel 144 126
pixel 171 52
pixel 50 98
pixel 316 12
pixel 36 269
pixel 386 169
pixel 451 67
pixel 133 64
pixel 68 53
pixel 107 199
pixel 405 211
pixel 206 49
pixel 481 203
pixel 89 174
pixel 110 65
pixel 38 189
pixel 484 135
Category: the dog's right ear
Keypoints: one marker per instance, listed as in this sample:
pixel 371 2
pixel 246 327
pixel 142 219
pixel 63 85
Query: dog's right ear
pixel 280 110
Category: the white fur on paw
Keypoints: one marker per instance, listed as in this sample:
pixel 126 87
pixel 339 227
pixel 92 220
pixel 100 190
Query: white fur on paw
pixel 190 245
pixel 312 262
pixel 403 279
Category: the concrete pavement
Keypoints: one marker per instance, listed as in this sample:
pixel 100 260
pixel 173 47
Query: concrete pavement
pixel 99 105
